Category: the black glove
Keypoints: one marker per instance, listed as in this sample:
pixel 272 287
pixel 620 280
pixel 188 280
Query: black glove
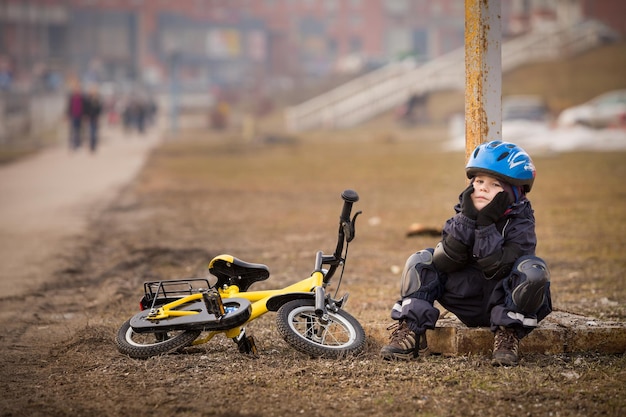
pixel 467 205
pixel 494 210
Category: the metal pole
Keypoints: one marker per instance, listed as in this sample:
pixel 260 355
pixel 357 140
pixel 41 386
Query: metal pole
pixel 483 73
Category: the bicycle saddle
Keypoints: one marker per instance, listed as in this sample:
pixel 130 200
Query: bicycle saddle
pixel 232 271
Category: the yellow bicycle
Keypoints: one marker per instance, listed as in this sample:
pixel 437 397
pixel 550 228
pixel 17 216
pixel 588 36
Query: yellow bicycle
pixel 175 313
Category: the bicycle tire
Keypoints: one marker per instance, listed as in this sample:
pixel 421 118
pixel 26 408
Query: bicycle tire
pixel 343 335
pixel 144 348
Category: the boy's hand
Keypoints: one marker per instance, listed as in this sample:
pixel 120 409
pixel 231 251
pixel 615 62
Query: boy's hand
pixel 494 210
pixel 467 205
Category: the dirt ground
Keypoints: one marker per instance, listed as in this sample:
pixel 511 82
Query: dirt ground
pixel 277 202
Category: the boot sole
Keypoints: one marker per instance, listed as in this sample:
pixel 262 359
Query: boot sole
pixel 504 362
pixel 390 356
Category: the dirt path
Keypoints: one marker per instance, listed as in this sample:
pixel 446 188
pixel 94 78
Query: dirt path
pixel 48 199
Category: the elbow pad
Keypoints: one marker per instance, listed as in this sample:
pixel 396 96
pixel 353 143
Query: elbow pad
pixel 450 255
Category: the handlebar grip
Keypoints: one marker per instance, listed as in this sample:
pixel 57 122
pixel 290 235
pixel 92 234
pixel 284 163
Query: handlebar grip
pixel 349 197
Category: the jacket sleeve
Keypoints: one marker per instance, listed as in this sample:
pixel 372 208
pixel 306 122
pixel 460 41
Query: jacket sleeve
pixel 453 252
pixel 495 252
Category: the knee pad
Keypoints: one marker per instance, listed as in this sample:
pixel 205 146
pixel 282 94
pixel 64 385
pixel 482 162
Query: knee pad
pixel 532 275
pixel 410 281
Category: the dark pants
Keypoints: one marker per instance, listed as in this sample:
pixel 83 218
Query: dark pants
pixel 476 301
pixel 75 133
pixel 93 135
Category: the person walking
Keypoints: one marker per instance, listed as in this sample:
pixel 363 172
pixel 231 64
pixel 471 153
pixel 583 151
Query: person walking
pixel 92 111
pixel 75 108
pixel 484 270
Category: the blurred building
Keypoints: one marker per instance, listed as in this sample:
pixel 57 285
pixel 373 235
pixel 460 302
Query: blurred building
pixel 522 16
pixel 248 43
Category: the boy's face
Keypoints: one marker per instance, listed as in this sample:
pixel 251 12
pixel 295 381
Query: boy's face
pixel 485 189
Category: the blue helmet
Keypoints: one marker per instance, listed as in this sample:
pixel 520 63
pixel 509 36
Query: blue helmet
pixel 502 160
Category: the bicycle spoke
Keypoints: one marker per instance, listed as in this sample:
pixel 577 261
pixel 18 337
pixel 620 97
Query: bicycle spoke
pixel 330 334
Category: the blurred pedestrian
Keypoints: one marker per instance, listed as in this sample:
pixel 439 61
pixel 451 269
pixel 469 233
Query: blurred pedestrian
pixel 151 110
pixel 220 115
pixel 6 74
pixel 140 114
pixel 484 270
pixel 134 114
pixel 128 113
pixel 92 109
pixel 415 110
pixel 75 108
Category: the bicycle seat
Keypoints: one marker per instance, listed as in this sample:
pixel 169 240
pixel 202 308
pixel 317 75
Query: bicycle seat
pixel 232 271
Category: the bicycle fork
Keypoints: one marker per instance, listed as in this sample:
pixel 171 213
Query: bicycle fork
pixel 320 305
pixel 324 303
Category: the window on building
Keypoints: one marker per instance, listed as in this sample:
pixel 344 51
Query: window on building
pixel 398 42
pixel 331 6
pixel 355 45
pixel 396 7
pixel 355 20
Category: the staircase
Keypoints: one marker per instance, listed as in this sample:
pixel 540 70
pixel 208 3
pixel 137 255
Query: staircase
pixel 392 85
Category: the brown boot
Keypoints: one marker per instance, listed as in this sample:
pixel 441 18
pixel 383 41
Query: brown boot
pixel 404 343
pixel 505 347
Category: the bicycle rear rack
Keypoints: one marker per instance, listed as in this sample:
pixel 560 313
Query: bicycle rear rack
pixel 208 312
pixel 161 292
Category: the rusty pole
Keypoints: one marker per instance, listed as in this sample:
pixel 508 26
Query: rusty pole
pixel 483 73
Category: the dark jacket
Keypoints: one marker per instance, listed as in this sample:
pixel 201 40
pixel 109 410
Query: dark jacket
pixel 494 248
pixel 92 107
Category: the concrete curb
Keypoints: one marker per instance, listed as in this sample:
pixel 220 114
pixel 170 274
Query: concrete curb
pixel 559 333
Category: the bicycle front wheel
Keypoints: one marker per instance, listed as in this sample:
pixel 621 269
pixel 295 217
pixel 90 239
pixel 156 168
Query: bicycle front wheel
pixel 302 329
pixel 146 345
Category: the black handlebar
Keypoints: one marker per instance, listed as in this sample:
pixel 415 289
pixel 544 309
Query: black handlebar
pixel 345 234
pixel 349 197
pixel 346 226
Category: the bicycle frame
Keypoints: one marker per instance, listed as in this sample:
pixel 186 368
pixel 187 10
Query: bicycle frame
pixel 259 301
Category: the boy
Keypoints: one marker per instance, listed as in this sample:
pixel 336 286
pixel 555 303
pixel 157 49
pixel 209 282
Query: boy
pixel 484 269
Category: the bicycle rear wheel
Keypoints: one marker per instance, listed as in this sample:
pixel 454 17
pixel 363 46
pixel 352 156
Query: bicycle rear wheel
pixel 146 345
pixel 303 330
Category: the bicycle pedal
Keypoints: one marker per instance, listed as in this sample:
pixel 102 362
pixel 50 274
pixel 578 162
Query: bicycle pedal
pixel 213 303
pixel 247 345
